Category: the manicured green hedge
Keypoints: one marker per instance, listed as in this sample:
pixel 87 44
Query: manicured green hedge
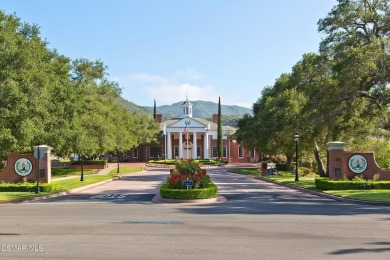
pixel 90 162
pixel 282 167
pixel 28 187
pixel 192 194
pixel 326 184
pixel 200 162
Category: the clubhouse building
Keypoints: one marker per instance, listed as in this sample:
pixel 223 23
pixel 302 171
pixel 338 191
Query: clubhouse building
pixel 192 138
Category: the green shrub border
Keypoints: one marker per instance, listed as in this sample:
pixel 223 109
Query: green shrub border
pixel 200 162
pixel 28 187
pixel 90 162
pixel 191 194
pixel 326 184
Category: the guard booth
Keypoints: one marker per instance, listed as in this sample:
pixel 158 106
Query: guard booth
pixel 268 168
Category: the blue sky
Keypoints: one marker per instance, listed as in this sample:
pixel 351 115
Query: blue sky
pixel 163 49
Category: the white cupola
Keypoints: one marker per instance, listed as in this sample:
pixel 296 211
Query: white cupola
pixel 187 108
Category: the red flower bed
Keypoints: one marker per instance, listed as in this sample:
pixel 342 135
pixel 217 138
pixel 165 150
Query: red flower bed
pixel 188 170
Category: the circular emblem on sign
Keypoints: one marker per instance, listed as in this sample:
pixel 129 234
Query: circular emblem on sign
pixel 23 166
pixel 357 164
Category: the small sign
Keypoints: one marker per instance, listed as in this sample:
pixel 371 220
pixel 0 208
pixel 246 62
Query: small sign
pixel 40 154
pixel 188 183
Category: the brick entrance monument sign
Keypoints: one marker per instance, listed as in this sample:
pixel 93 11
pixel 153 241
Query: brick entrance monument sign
pixel 20 166
pixel 350 164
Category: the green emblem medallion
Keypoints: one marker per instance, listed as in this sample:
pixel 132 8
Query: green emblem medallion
pixel 23 167
pixel 357 163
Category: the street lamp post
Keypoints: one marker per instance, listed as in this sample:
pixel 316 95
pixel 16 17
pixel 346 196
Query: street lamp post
pixel 117 157
pixel 37 189
pixel 296 138
pixel 82 168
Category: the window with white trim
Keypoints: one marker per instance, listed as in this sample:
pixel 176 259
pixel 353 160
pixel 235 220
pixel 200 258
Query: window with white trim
pixel 224 153
pixel 215 152
pixel 135 152
pixel 176 151
pixel 252 154
pixel 240 152
pixel 199 151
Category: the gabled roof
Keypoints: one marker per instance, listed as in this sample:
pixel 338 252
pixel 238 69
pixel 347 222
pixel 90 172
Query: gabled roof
pixel 204 122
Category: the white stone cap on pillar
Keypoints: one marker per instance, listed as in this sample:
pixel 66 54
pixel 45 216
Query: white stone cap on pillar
pixel 337 145
pixel 42 148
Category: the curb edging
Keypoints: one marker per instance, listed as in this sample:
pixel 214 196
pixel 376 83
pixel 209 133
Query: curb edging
pixel 324 195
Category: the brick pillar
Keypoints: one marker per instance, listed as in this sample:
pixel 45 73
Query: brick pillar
pixel 44 163
pixel 336 160
pixel 215 118
pixel 159 118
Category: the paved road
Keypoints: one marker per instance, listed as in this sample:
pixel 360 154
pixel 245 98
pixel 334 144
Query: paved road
pixel 259 221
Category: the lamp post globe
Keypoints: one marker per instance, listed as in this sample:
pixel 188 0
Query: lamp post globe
pixel 296 138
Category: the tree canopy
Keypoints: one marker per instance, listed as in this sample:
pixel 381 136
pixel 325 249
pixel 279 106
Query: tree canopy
pixel 339 93
pixel 70 105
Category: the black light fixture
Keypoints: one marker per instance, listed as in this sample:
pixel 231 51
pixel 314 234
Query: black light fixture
pixel 82 168
pixel 296 138
pixel 117 157
pixel 37 189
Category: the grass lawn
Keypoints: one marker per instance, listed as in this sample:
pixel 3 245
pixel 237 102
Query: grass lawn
pixel 366 195
pixel 65 172
pixel 69 184
pixel 308 183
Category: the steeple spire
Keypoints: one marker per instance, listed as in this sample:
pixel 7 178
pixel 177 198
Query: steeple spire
pixel 187 107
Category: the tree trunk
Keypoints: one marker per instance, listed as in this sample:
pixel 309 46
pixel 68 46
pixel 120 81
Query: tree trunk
pixel 320 163
pixel 289 159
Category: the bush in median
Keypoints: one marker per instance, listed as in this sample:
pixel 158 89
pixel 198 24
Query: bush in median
pixel 191 194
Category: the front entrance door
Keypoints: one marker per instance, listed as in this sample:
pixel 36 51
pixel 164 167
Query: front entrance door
pixel 187 150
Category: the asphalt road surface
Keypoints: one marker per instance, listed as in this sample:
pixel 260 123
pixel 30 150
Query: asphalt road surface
pixel 259 221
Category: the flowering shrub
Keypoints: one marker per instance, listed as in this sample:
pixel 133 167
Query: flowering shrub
pixel 188 169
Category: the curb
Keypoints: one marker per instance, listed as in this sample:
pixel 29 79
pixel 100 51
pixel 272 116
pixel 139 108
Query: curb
pixel 158 200
pixel 324 195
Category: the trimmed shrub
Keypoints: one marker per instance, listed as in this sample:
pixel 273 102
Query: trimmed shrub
pixel 28 187
pixel 326 184
pixel 90 162
pixel 384 185
pixel 282 167
pixel 191 194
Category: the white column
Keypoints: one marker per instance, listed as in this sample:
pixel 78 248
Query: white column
pixel 180 145
pixel 206 146
pixel 169 146
pixel 194 147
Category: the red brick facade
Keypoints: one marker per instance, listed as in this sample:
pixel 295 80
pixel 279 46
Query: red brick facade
pixel 338 164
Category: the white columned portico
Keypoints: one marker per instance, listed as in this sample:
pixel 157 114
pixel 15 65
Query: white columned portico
pixel 194 146
pixel 169 146
pixel 180 145
pixel 206 145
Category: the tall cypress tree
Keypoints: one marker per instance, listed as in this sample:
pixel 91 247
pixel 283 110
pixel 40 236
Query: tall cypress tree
pixel 219 131
pixel 155 111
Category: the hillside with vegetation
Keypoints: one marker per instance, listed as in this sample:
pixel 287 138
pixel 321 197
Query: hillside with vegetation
pixel 201 109
pixel 132 107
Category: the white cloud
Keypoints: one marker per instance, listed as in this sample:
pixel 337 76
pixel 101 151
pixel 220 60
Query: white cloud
pixel 172 93
pixel 143 88
pixel 166 90
pixel 188 73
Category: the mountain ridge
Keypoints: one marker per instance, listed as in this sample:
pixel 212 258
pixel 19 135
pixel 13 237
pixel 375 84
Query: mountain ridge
pixel 200 109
